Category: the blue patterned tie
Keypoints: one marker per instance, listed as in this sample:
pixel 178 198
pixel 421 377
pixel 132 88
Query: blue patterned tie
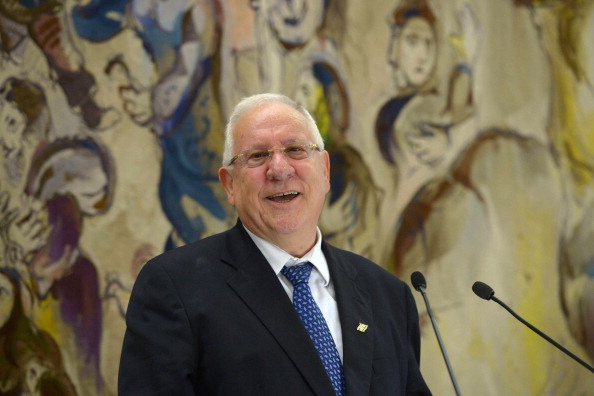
pixel 315 324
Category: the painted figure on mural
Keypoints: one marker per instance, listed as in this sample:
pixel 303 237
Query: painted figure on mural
pixel 31 361
pixel 498 211
pixel 181 107
pixel 20 115
pixel 572 58
pixel 432 78
pixel 74 180
pixel 45 23
pixel 52 184
pixel 24 122
pixel 413 55
pixel 298 58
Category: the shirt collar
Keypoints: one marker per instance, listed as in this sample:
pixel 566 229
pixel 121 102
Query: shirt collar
pixel 278 258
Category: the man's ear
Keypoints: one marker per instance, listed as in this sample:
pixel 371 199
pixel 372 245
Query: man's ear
pixel 326 165
pixel 226 179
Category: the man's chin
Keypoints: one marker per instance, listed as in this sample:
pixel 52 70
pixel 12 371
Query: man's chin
pixel 286 227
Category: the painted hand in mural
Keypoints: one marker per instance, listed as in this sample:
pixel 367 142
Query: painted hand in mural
pixel 23 229
pixel 469 39
pixel 460 103
pixel 117 291
pixel 49 29
pixel 428 143
pixel 118 286
pixel 135 96
pixel 136 102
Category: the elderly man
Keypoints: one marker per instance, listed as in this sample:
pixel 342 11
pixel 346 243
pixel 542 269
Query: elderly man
pixel 267 307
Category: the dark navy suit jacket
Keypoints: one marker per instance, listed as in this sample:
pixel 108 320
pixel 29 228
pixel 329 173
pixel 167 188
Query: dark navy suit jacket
pixel 211 318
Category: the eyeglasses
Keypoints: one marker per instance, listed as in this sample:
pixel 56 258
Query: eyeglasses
pixel 253 158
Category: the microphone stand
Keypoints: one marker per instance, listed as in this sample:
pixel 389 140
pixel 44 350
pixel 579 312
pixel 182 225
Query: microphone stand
pixel 440 341
pixel 543 335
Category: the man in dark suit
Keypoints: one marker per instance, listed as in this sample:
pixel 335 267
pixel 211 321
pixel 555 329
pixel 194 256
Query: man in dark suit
pixel 221 316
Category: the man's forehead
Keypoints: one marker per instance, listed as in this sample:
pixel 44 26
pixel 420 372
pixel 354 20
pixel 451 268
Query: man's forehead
pixel 269 137
pixel 268 120
pixel 271 111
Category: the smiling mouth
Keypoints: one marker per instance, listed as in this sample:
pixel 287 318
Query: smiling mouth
pixel 283 197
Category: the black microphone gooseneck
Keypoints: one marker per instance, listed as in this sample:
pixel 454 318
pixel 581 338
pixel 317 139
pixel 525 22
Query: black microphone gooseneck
pixel 418 281
pixel 485 292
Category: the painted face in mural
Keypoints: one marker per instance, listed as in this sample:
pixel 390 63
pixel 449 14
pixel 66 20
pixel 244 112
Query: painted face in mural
pixel 283 196
pixel 76 172
pixel 12 126
pixel 34 370
pixel 90 193
pixel 6 299
pixel 413 52
pixel 295 22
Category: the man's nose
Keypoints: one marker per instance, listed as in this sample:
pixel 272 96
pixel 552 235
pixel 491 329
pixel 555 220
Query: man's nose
pixel 279 167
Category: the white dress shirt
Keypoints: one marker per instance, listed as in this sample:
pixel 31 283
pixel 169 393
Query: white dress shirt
pixel 320 283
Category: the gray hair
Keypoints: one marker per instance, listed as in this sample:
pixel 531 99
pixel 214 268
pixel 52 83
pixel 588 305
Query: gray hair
pixel 253 101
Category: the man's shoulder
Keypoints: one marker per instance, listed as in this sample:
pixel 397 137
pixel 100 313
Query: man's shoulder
pixel 199 247
pixel 363 266
pixel 208 248
pixel 195 261
pixel 342 254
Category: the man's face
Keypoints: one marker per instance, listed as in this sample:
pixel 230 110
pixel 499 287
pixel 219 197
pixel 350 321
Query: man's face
pixel 414 51
pixel 283 195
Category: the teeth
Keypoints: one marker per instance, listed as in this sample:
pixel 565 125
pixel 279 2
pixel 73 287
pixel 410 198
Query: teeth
pixel 284 194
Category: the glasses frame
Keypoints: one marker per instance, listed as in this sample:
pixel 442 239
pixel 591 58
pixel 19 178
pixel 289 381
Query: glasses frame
pixel 309 149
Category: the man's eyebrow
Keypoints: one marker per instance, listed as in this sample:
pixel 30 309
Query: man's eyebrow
pixel 284 143
pixel 296 140
pixel 255 146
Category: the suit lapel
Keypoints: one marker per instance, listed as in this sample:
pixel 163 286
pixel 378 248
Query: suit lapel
pixel 356 320
pixel 259 288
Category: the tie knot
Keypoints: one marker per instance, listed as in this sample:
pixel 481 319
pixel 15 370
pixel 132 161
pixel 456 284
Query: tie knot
pixel 299 273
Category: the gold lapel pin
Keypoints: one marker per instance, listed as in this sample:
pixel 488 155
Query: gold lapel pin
pixel 362 327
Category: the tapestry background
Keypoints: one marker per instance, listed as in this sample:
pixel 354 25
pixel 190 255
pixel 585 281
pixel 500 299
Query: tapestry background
pixel 461 136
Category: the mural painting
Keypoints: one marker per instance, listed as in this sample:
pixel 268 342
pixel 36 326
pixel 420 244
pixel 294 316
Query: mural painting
pixel 460 134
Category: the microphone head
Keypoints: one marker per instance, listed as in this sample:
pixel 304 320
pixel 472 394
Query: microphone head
pixel 483 290
pixel 418 280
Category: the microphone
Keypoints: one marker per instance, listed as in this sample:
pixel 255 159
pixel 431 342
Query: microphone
pixel 485 292
pixel 418 281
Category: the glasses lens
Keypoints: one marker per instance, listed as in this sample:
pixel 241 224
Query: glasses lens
pixel 257 157
pixel 297 151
